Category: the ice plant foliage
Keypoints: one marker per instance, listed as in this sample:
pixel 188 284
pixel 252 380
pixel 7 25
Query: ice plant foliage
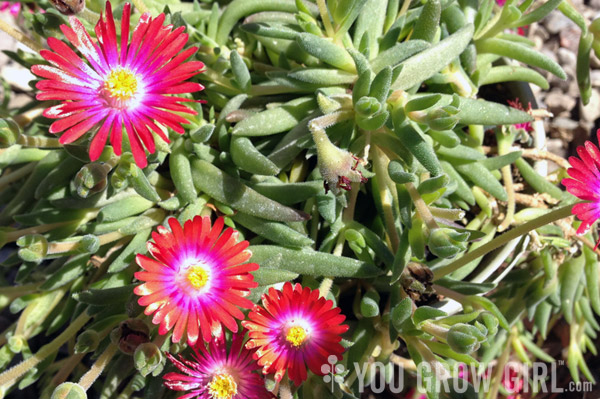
pixel 218 373
pixel 197 279
pixel 294 328
pixel 585 184
pixel 131 84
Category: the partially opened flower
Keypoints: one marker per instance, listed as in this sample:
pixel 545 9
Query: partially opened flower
pixel 124 84
pixel 585 184
pixel 197 279
pixel 218 373
pixel 296 328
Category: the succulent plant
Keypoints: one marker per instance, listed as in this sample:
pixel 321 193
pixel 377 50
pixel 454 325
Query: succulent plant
pixel 366 150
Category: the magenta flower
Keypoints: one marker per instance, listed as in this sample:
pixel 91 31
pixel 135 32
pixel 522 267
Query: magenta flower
pixel 218 373
pixel 517 104
pixel 294 330
pixel 585 184
pixel 197 279
pixel 13 7
pixel 131 84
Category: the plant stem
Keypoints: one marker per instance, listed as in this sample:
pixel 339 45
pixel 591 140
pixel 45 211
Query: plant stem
pixel 16 175
pixel 325 18
pixel 92 17
pixel 94 372
pixel 502 239
pixel 421 207
pixel 139 4
pixel 9 376
pixel 38 141
pixel 20 36
pixel 43 228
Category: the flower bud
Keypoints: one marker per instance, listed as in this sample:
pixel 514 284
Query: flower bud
pixel 491 322
pixel 69 390
pixel 15 343
pixel 147 357
pixel 90 179
pixel 463 338
pixel 69 7
pixel 9 132
pixel 34 247
pixel 87 341
pixel 130 334
pixel 367 106
pixel 89 244
pixel 447 243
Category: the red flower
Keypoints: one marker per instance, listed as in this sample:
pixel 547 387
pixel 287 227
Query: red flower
pixel 196 280
pixel 131 85
pixel 585 184
pixel 218 373
pixel 517 104
pixel 296 328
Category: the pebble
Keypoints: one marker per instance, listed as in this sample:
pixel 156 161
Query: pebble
pixel 591 111
pixel 557 102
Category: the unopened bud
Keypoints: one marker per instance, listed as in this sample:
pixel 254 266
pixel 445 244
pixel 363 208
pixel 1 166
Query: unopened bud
pixel 69 390
pixel 15 343
pixel 463 338
pixel 91 179
pixel 491 322
pixel 147 357
pixel 447 243
pixel 9 132
pixel 69 7
pixel 87 341
pixel 34 247
pixel 130 334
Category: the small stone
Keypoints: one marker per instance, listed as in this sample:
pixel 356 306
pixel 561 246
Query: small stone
pixel 557 102
pixel 566 58
pixel 564 123
pixel 595 77
pixel 556 22
pixel 591 112
pixel 17 77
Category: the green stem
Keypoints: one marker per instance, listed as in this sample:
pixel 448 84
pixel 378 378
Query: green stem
pixel 38 141
pixel 421 207
pixel 16 175
pixel 9 376
pixel 497 242
pixel 325 18
pixel 139 4
pixel 94 372
pixel 20 36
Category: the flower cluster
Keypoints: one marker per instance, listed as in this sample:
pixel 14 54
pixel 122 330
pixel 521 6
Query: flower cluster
pixel 131 84
pixel 195 282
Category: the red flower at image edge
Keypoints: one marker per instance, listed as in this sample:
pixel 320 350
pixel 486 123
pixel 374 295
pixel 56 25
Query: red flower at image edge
pixel 585 184
pixel 197 279
pixel 295 328
pixel 131 84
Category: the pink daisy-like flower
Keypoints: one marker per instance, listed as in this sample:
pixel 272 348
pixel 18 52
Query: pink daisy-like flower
pixel 130 84
pixel 517 104
pixel 218 373
pixel 296 328
pixel 585 184
pixel 196 280
pixel 13 7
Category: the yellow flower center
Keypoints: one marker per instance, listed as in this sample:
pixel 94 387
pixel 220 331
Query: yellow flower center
pixel 121 84
pixel 197 276
pixel 296 336
pixel 222 386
